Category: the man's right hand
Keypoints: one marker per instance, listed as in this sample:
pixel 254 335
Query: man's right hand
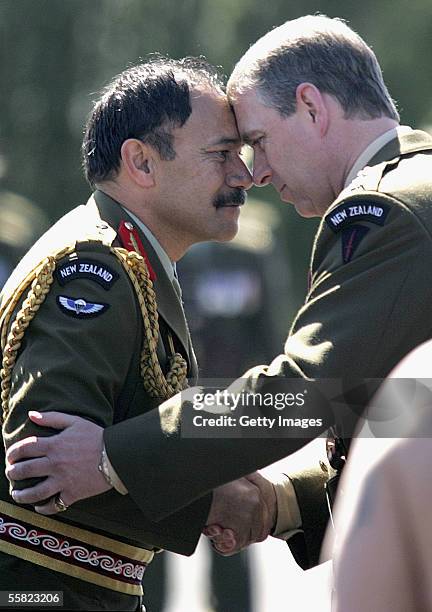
pixel 242 512
pixel 69 460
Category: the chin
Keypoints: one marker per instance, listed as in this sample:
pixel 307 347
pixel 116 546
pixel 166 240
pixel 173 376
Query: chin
pixel 227 235
pixel 304 209
pixel 307 210
pixel 307 214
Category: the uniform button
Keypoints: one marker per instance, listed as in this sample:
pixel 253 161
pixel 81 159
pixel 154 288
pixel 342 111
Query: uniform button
pixel 129 225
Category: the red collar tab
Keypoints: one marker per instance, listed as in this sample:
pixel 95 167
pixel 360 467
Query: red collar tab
pixel 131 241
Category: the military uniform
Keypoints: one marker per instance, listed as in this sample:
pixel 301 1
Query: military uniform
pixel 368 305
pixel 82 354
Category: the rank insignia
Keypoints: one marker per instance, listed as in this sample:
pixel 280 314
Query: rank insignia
pixel 86 268
pixel 351 212
pixel 131 241
pixel 80 308
pixel 351 238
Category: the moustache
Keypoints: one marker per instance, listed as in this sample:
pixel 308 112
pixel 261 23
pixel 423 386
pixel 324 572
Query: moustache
pixel 236 197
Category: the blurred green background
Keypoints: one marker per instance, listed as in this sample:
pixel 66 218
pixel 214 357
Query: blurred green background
pixel 57 53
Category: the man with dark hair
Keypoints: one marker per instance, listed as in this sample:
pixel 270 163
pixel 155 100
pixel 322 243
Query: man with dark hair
pixel 92 319
pixel 310 99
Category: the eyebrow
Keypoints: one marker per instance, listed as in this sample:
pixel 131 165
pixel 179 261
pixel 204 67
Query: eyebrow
pixel 250 137
pixel 224 141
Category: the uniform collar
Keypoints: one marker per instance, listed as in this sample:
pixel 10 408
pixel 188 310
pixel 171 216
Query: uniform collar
pixel 372 149
pixel 168 303
pixel 160 251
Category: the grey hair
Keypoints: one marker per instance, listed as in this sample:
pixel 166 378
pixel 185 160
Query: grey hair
pixel 319 50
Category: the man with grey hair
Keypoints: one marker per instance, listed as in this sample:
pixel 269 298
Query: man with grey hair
pixel 310 99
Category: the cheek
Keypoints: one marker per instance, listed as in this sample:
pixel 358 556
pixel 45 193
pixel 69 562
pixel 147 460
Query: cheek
pixel 278 159
pixel 212 176
pixel 293 160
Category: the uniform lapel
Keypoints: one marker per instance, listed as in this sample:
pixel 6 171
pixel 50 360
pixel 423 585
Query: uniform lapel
pixel 168 302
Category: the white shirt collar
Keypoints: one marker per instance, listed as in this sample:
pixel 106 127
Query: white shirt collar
pixel 166 262
pixel 364 158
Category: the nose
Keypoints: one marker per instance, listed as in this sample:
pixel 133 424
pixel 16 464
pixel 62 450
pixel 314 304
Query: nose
pixel 262 174
pixel 240 176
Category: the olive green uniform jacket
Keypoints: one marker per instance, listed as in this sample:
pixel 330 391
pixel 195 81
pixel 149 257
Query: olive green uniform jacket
pixel 89 365
pixel 369 304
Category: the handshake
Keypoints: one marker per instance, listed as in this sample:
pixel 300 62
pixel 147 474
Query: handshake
pixel 242 512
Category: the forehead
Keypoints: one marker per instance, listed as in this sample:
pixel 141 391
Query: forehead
pixel 211 118
pixel 253 115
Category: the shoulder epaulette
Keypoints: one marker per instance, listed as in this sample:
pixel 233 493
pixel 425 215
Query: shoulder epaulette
pixel 367 179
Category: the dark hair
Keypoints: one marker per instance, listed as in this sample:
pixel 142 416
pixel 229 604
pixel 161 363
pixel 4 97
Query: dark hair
pixel 319 50
pixel 146 102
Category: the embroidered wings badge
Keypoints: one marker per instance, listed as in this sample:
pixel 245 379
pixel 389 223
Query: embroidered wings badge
pixel 80 308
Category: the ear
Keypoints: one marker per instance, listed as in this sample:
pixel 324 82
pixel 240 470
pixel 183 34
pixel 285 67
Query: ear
pixel 311 103
pixel 138 162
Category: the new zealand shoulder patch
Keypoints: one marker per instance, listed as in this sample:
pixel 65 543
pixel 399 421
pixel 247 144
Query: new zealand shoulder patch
pixel 80 308
pixel 86 268
pixel 351 212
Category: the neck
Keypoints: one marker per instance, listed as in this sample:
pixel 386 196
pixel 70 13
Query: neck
pixel 354 137
pixel 174 244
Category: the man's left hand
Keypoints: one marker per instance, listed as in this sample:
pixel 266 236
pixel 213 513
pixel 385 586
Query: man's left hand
pixel 68 460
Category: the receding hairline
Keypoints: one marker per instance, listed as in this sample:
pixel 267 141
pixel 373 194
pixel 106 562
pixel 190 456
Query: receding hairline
pixel 242 77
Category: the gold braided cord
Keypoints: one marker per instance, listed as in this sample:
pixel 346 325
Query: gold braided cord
pixel 155 382
pixel 40 286
pixel 9 306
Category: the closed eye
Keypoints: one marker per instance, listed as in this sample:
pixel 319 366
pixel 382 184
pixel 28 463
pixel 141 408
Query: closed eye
pixel 258 142
pixel 223 155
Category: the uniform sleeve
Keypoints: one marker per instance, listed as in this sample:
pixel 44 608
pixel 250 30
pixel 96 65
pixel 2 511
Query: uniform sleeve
pixel 305 544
